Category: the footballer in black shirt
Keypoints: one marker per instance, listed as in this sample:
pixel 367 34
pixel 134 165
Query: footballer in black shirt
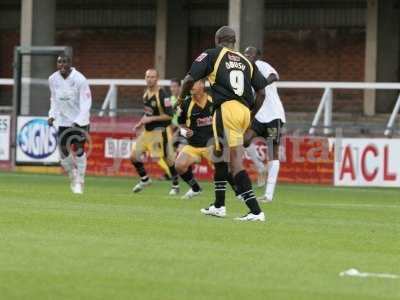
pixel 156 136
pixel 195 122
pixel 232 77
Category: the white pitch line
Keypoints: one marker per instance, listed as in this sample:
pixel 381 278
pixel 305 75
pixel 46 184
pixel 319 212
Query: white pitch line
pixel 391 190
pixel 343 205
pixel 355 273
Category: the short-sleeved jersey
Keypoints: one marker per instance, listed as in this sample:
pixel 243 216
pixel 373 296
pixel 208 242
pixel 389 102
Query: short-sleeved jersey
pixel 232 76
pixel 272 107
pixel 198 119
pixel 156 104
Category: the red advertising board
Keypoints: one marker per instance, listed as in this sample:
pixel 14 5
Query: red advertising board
pixel 304 159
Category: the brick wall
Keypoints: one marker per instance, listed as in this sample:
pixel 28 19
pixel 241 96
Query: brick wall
pixel 331 55
pixel 8 40
pixel 320 55
pixel 97 54
pixel 112 54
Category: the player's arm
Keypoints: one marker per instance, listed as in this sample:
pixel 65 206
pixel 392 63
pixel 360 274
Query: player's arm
pixel 85 103
pixel 183 129
pixel 259 82
pixel 140 123
pixel 187 85
pixel 201 67
pixel 259 99
pixel 53 112
pixel 162 117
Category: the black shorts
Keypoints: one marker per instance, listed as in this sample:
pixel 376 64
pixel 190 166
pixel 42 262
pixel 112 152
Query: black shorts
pixel 72 135
pixel 270 130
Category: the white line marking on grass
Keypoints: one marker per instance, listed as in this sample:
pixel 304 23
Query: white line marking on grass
pixel 380 190
pixel 343 205
pixel 355 273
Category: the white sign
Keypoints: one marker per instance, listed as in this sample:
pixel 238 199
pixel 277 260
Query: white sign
pixel 367 162
pixel 36 141
pixel 4 137
pixel 117 148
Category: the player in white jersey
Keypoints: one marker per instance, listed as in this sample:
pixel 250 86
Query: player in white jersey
pixel 70 104
pixel 268 121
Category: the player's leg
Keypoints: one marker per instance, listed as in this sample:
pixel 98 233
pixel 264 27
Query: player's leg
pixel 164 166
pixel 273 164
pixel 231 182
pixel 79 139
pixel 137 150
pixel 243 185
pixel 67 161
pixel 183 165
pixel 169 154
pixel 220 169
pixel 237 119
pixel 273 171
pixel 251 151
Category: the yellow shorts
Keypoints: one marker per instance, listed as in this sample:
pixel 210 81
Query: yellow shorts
pixel 197 152
pixel 156 142
pixel 230 122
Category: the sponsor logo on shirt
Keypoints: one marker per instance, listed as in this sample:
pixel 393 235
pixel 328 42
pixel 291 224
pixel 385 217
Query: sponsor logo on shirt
pixel 201 57
pixel 207 121
pixel 233 57
pixel 167 102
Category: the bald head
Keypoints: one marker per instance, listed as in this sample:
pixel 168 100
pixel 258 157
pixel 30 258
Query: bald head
pixel 151 77
pixel 251 53
pixel 225 36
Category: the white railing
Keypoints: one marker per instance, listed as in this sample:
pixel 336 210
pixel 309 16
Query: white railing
pixel 325 105
pixel 110 102
pixel 327 99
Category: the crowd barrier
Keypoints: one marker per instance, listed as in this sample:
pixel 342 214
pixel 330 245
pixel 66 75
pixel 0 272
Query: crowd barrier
pixel 304 159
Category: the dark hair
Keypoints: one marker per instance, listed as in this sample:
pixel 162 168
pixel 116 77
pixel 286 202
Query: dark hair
pixel 176 80
pixel 65 56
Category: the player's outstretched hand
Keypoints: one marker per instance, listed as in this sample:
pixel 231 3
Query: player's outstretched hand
pixel 50 121
pixel 146 119
pixel 138 125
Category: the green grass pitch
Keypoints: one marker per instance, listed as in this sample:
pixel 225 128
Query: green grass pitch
pixel 111 244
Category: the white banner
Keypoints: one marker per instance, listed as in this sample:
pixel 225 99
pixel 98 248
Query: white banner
pixel 117 148
pixel 36 141
pixel 367 162
pixel 5 137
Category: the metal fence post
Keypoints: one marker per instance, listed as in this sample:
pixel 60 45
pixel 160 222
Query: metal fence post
pixel 319 111
pixel 328 111
pixel 113 101
pixel 390 124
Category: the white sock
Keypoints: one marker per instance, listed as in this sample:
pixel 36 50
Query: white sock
pixel 81 163
pixel 68 164
pixel 253 154
pixel 273 170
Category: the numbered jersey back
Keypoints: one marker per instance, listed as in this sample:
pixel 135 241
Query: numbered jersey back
pixel 231 78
